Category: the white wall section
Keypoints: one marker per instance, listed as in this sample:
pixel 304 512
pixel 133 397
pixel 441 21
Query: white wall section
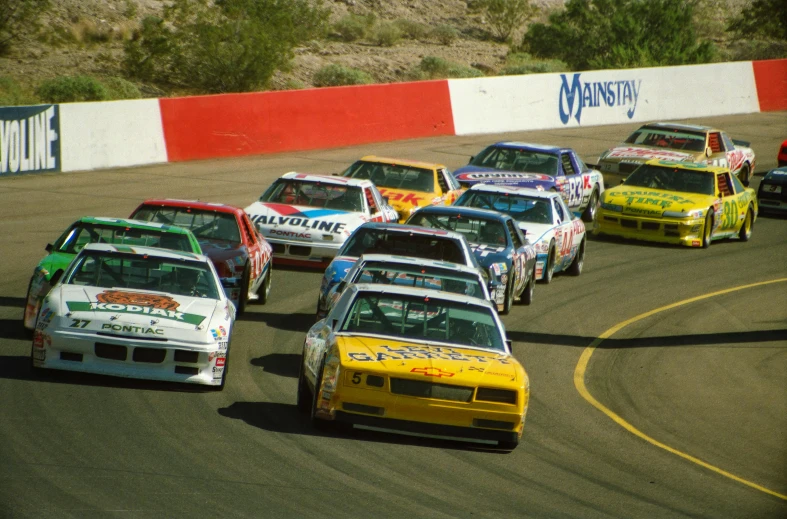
pixel 111 134
pixel 575 99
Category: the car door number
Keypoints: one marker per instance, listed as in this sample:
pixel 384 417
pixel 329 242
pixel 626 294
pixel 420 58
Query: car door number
pixel 574 191
pixel 729 215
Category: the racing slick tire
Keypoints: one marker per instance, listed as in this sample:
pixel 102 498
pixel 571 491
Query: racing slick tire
pixel 527 294
pixel 243 298
pixel 509 296
pixel 745 175
pixel 549 268
pixel 745 232
pixel 318 423
pixel 575 268
pixel 304 398
pixel 264 291
pixel 706 230
pixel 591 210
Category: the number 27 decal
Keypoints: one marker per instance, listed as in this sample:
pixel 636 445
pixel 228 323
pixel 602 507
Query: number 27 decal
pixel 78 323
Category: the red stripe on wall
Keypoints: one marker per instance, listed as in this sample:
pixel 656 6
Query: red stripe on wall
pixel 771 79
pixel 266 122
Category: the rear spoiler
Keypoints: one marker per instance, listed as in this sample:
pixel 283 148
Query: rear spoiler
pixel 741 143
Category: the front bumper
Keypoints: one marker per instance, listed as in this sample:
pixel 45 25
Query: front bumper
pixel 169 360
pixel 686 232
pixel 301 253
pixel 768 205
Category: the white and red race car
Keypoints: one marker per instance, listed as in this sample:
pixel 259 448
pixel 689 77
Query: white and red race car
pixel 307 218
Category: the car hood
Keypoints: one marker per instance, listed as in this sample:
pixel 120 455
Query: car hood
pixel 471 175
pixel 222 250
pixel 135 308
pixel 645 153
pixel 338 268
pixel 486 255
pixel 439 364
pixel 653 202
pixel 303 223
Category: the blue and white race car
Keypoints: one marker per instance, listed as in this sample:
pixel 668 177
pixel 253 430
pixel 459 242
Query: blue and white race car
pixel 558 235
pixel 546 168
pixel 498 245
pixel 399 239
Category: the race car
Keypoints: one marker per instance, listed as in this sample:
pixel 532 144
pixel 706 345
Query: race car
pixel 498 245
pixel 398 239
pixel 307 218
pixel 781 157
pixel 677 143
pixel 772 192
pixel 91 229
pixel 407 184
pixel 410 271
pixel 137 312
pixel 557 235
pixel 679 202
pixel 547 168
pixel 241 255
pixel 414 361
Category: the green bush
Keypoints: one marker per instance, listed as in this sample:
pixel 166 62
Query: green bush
pixel 411 29
pixel 518 63
pixel 445 34
pixel 386 35
pixel 120 88
pixel 352 27
pixel 12 93
pixel 433 67
pixel 339 75
pixel 69 89
pixel 506 16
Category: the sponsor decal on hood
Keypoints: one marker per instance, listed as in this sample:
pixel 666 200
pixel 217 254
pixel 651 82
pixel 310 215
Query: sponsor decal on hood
pixel 633 152
pixel 139 303
pixel 652 201
pixel 299 219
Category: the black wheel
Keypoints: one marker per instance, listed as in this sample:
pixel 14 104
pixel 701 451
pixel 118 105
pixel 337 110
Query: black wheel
pixel 590 211
pixel 318 423
pixel 304 399
pixel 745 232
pixel 509 296
pixel 264 291
pixel 575 268
pixel 706 230
pixel 745 175
pixel 243 298
pixel 530 288
pixel 549 268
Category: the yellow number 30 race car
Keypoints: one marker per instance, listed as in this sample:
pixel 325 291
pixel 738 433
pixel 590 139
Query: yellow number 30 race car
pixel 678 202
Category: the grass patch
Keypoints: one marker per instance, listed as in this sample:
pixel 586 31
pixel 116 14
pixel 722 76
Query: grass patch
pixel 432 67
pixel 339 75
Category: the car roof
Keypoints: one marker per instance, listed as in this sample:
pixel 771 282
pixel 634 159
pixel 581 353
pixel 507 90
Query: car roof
pixel 464 211
pixel 328 179
pixel 546 148
pixel 418 262
pixel 416 229
pixel 688 166
pixel 776 172
pixel 136 224
pixel 402 162
pixel 147 251
pixel 677 126
pixel 194 204
pixel 425 292
pixel 514 190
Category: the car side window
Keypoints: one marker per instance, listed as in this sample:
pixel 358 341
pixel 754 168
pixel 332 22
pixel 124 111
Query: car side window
pixel 724 184
pixel 373 206
pixel 715 143
pixel 738 187
pixel 568 167
pixel 516 238
pixel 559 210
pixel 442 183
pixel 247 230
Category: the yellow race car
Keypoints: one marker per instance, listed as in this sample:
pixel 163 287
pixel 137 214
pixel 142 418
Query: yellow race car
pixel 407 184
pixel 678 202
pixel 414 361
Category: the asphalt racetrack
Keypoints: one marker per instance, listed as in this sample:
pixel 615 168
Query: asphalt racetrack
pixel 678 413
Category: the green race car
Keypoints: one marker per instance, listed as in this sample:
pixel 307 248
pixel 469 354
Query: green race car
pixel 90 229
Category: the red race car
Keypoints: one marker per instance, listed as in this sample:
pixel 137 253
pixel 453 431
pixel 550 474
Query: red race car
pixel 241 255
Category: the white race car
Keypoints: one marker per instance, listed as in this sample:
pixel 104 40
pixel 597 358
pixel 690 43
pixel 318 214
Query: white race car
pixel 307 218
pixel 137 312
pixel 557 235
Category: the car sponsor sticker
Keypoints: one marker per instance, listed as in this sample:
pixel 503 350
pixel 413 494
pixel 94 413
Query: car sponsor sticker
pixel 136 303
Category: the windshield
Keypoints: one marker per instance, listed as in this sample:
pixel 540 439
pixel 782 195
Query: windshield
pixel 521 208
pixel 134 271
pixel 381 241
pixel 83 233
pixel 476 230
pixel 315 194
pixel 424 318
pixel 206 225
pixel 393 176
pixel 514 159
pixel 420 277
pixel 672 179
pixel 666 138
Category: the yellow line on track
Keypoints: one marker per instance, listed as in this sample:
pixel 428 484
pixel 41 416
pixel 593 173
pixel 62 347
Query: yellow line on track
pixel 584 359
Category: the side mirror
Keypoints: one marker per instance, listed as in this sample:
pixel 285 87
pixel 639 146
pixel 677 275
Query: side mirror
pixel 708 151
pixel 49 247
